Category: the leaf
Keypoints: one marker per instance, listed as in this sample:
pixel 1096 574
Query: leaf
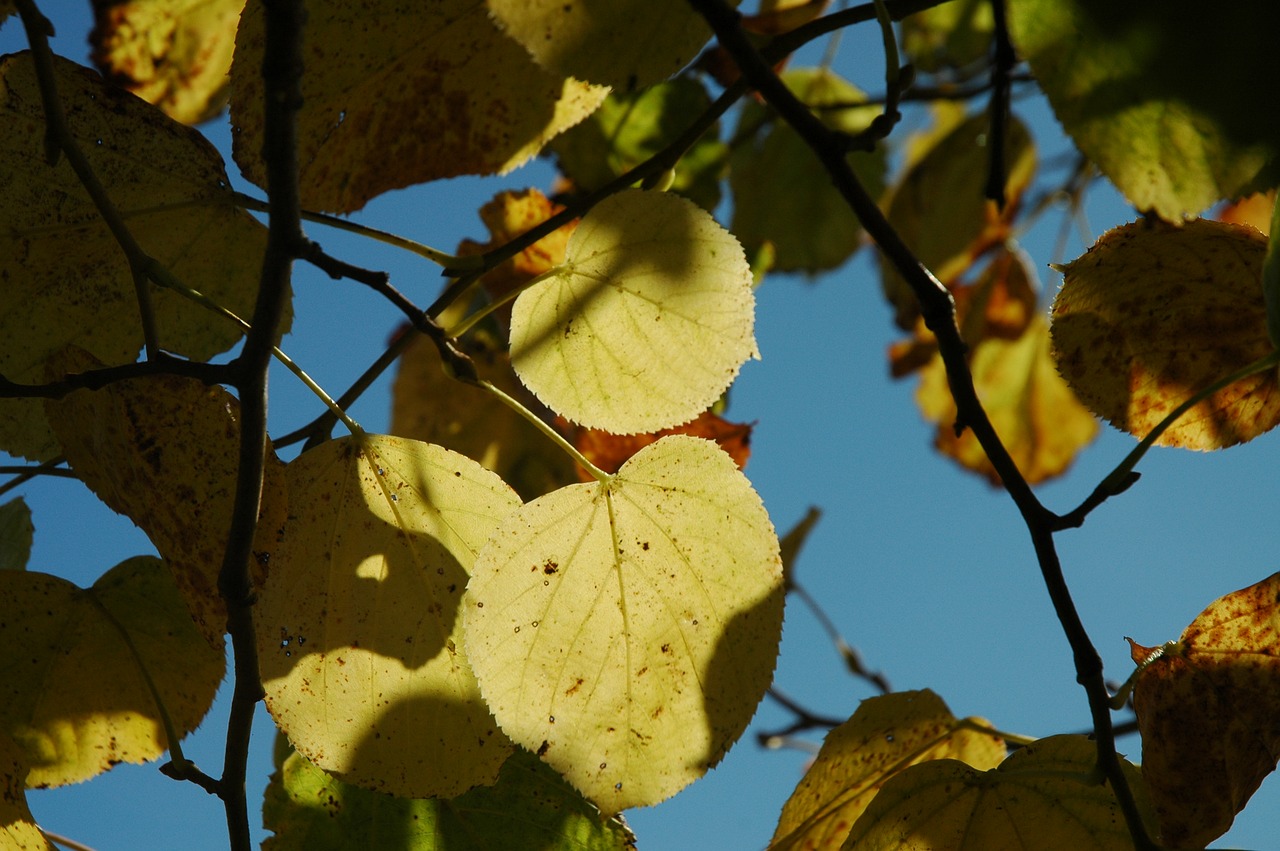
pixel 779 16
pixel 610 451
pixel 885 735
pixel 1174 136
pixel 1254 210
pixel 18 829
pixel 530 808
pixel 1152 315
pixel 1047 796
pixel 66 278
pixel 357 624
pixel 949 36
pixel 939 210
pixel 1271 276
pixel 172 53
pixel 16 534
pixel 625 630
pixel 164 451
pixel 631 127
pixel 74 695
pixel 646 323
pixel 782 193
pixel 403 93
pixel 1206 709
pixel 626 44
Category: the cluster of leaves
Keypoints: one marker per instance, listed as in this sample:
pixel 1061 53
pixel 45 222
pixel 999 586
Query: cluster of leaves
pixel 550 594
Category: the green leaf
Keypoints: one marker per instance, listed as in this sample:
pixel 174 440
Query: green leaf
pixel 358 631
pixel 783 195
pixel 630 127
pixel 16 534
pixel 647 321
pixel 66 280
pixel 72 690
pixel 1165 98
pixel 949 36
pixel 625 630
pixel 529 808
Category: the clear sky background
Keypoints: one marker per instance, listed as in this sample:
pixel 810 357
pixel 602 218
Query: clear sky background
pixel 927 570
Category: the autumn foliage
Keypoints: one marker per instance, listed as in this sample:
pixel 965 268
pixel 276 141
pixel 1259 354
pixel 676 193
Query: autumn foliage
pixel 551 593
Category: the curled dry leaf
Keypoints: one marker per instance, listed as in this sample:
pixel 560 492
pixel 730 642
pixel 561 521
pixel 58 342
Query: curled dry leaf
pixel 1206 709
pixel 610 451
pixel 1153 314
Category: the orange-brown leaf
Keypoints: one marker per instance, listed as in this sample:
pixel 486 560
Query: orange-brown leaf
pixel 507 216
pixel 1206 706
pixel 610 451
pixel 1254 210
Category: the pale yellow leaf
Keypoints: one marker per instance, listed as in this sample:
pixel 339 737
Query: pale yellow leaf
pixel 18 830
pixel 1153 314
pixel 625 630
pixel 173 53
pixel 72 692
pixel 883 737
pixel 626 44
pixel 400 93
pixel 358 625
pixel 647 321
pixel 66 279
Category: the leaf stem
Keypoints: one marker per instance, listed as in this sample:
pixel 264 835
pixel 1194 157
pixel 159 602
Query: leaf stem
pixel 467 323
pixel 556 438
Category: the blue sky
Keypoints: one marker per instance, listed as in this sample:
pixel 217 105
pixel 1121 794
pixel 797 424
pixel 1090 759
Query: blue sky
pixel 926 570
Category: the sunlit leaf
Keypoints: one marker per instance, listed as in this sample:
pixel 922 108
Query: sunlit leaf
pixel 610 451
pixel 1254 210
pixel 66 280
pixel 358 623
pixel 779 16
pixel 18 830
pixel 949 36
pixel 529 808
pixel 72 691
pixel 173 53
pixel 1163 98
pixel 402 93
pixel 626 44
pixel 625 630
pixel 630 127
pixel 164 450
pixel 782 193
pixel 1153 314
pixel 646 323
pixel 883 737
pixel 1206 708
pixel 940 210
pixel 1047 796
pixel 16 534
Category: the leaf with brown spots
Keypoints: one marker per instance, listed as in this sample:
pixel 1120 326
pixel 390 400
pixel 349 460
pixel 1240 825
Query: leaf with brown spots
pixel 1155 313
pixel 610 451
pixel 1206 706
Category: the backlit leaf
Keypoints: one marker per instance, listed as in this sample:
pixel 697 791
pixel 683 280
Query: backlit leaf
pixel 402 93
pixel 779 16
pixel 164 451
pixel 625 630
pixel 782 193
pixel 72 692
pixel 949 36
pixel 173 53
pixel 358 623
pixel 66 280
pixel 610 451
pixel 883 737
pixel 16 533
pixel 1254 210
pixel 18 830
pixel 1153 314
pixel 1206 708
pixel 626 44
pixel 1173 133
pixel 529 808
pixel 1047 796
pixel 646 323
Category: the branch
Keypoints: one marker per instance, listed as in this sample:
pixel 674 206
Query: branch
pixel 1001 70
pixel 96 379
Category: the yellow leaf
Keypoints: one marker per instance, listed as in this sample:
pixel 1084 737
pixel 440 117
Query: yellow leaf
pixel 402 93
pixel 883 737
pixel 18 830
pixel 1047 796
pixel 1206 709
pixel 164 451
pixel 624 631
pixel 66 280
pixel 172 53
pixel 647 321
pixel 1153 314
pixel 626 44
pixel 73 694
pixel 358 630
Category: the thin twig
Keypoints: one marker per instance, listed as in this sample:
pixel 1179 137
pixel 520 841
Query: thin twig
pixel 96 379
